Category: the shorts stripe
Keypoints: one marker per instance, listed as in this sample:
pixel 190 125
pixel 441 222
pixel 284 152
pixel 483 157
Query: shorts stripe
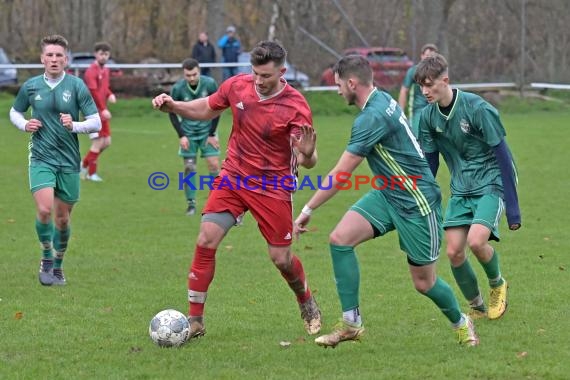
pixel 500 210
pixel 434 236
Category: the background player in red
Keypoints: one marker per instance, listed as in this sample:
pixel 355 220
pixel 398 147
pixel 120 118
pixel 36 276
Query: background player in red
pixel 97 80
pixel 271 135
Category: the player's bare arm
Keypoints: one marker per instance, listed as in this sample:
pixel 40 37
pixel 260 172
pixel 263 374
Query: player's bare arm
pixel 347 163
pixel 306 146
pixel 197 109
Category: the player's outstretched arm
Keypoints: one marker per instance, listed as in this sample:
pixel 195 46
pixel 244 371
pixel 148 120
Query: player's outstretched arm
pixel 197 109
pixel 347 163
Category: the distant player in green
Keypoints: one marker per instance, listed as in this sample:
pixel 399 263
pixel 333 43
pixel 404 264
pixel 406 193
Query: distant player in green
pixel 469 134
pixel 56 100
pixel 410 204
pixel 411 94
pixel 195 135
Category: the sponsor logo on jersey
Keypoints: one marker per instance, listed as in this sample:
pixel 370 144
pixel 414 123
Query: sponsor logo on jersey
pixel 66 96
pixel 38 97
pixel 465 127
pixel 240 105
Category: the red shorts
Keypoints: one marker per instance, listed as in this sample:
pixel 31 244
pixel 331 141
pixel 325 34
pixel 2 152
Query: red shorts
pixel 274 216
pixel 105 129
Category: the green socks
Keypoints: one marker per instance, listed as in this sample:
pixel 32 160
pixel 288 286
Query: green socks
pixel 45 236
pixel 466 280
pixel 60 240
pixel 347 276
pixel 493 271
pixel 442 295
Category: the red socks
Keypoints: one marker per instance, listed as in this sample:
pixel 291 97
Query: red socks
pixel 90 162
pixel 295 277
pixel 199 278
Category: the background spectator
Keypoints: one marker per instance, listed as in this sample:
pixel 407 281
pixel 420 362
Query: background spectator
pixel 231 47
pixel 204 52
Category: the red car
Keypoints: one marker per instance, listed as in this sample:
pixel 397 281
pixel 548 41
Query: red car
pixel 388 64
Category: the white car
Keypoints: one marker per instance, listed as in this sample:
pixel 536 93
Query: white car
pixel 7 76
pixel 293 76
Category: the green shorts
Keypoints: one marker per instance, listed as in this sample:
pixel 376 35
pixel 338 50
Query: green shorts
pixel 65 185
pixel 420 237
pixel 206 150
pixel 465 211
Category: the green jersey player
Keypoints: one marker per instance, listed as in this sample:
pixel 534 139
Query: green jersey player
pixel 411 94
pixel 381 135
pixel 195 135
pixel 56 100
pixel 469 134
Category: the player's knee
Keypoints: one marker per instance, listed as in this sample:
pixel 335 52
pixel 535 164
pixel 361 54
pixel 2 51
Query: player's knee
pixel 282 263
pixel 44 213
pixel 62 221
pixel 476 245
pixel 456 255
pixel 336 238
pixel 189 165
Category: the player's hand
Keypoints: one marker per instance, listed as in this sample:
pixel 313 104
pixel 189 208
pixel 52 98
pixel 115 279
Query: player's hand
pixel 514 226
pixel 184 143
pixel 105 114
pixel 300 225
pixel 33 125
pixel 66 120
pixel 163 102
pixel 213 141
pixel 305 143
pixel 112 98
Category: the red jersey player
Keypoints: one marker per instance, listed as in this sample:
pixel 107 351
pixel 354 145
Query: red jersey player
pixel 97 80
pixel 271 135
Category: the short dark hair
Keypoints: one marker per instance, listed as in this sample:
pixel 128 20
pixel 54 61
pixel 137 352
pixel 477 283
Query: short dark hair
pixel 190 63
pixel 54 39
pixel 355 65
pixel 268 51
pixel 102 45
pixel 431 68
pixel 431 47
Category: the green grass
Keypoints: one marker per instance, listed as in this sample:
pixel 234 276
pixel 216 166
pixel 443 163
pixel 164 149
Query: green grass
pixel 131 247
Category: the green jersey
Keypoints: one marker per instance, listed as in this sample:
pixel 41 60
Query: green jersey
pixel 381 134
pixel 194 129
pixel 466 138
pixel 53 144
pixel 416 100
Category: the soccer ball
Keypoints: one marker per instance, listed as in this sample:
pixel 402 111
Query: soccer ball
pixel 169 328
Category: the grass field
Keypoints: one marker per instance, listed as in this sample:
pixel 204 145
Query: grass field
pixel 131 247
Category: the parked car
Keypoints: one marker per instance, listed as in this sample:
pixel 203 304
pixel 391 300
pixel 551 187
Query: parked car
pixel 7 76
pixel 293 76
pixel 388 64
pixel 87 58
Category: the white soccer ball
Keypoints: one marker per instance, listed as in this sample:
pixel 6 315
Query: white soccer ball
pixel 169 328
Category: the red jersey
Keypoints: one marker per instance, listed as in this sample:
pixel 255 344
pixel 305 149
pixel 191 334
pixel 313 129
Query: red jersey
pixel 260 149
pixel 97 80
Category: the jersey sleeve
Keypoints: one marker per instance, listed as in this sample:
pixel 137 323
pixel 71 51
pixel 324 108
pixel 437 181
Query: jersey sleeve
pixel 219 100
pixel 302 116
pixel 22 102
pixel 174 93
pixel 427 141
pixel 488 122
pixel 366 133
pixel 90 79
pixel 212 87
pixel 409 78
pixel 85 100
